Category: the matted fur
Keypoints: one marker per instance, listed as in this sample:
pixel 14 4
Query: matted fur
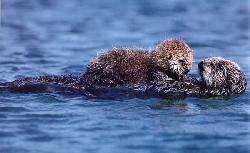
pixel 173 56
pixel 122 66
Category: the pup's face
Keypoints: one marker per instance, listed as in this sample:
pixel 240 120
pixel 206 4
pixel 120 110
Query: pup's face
pixel 173 56
pixel 221 74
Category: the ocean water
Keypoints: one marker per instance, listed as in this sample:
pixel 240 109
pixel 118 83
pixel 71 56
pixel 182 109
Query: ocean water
pixel 41 37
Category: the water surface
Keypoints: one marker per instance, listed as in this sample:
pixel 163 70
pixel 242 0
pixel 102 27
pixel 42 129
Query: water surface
pixel 41 37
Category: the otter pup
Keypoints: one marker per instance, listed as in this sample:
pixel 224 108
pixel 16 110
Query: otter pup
pixel 173 57
pixel 125 66
pixel 219 77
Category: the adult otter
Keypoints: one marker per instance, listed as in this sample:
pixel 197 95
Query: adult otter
pixel 221 77
pixel 125 66
pixel 218 77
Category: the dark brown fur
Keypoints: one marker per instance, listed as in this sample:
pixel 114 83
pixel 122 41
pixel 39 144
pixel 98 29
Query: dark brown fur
pixel 126 66
pixel 222 76
pixel 120 66
pixel 219 77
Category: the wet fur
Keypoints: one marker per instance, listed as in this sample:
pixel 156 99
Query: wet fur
pixel 224 78
pixel 126 66
pixel 120 66
pixel 221 76
pixel 173 57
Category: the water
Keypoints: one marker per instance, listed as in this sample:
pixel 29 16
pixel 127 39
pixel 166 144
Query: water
pixel 60 37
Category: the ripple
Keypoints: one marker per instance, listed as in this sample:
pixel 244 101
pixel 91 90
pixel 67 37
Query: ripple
pixel 6 134
pixel 44 138
pixel 13 150
pixel 44 37
pixel 14 109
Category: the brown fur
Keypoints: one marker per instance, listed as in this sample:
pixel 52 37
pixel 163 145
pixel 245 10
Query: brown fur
pixel 125 66
pixel 219 77
pixel 173 55
pixel 118 67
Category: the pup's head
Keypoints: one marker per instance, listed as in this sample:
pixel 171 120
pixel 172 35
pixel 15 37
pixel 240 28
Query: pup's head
pixel 222 76
pixel 174 57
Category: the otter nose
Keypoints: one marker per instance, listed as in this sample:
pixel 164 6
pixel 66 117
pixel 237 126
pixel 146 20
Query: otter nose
pixel 200 66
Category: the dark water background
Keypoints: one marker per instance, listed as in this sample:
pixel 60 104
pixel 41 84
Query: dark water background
pixel 61 36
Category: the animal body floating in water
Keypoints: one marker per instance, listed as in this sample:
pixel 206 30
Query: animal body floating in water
pixel 160 72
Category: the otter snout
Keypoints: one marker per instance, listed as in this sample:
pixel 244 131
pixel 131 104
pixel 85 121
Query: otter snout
pixel 205 73
pixel 177 71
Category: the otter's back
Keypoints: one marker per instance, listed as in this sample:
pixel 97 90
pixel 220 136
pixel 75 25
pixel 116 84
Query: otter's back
pixel 118 67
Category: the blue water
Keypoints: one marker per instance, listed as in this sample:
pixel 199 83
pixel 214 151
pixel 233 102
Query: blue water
pixel 61 36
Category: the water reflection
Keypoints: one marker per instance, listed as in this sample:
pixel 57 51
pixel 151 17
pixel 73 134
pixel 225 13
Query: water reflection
pixel 176 103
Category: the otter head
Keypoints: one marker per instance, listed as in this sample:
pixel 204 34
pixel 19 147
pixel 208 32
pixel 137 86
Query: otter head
pixel 173 57
pixel 222 76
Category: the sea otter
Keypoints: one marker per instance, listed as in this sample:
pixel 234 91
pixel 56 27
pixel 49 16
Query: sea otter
pixel 126 66
pixel 219 77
